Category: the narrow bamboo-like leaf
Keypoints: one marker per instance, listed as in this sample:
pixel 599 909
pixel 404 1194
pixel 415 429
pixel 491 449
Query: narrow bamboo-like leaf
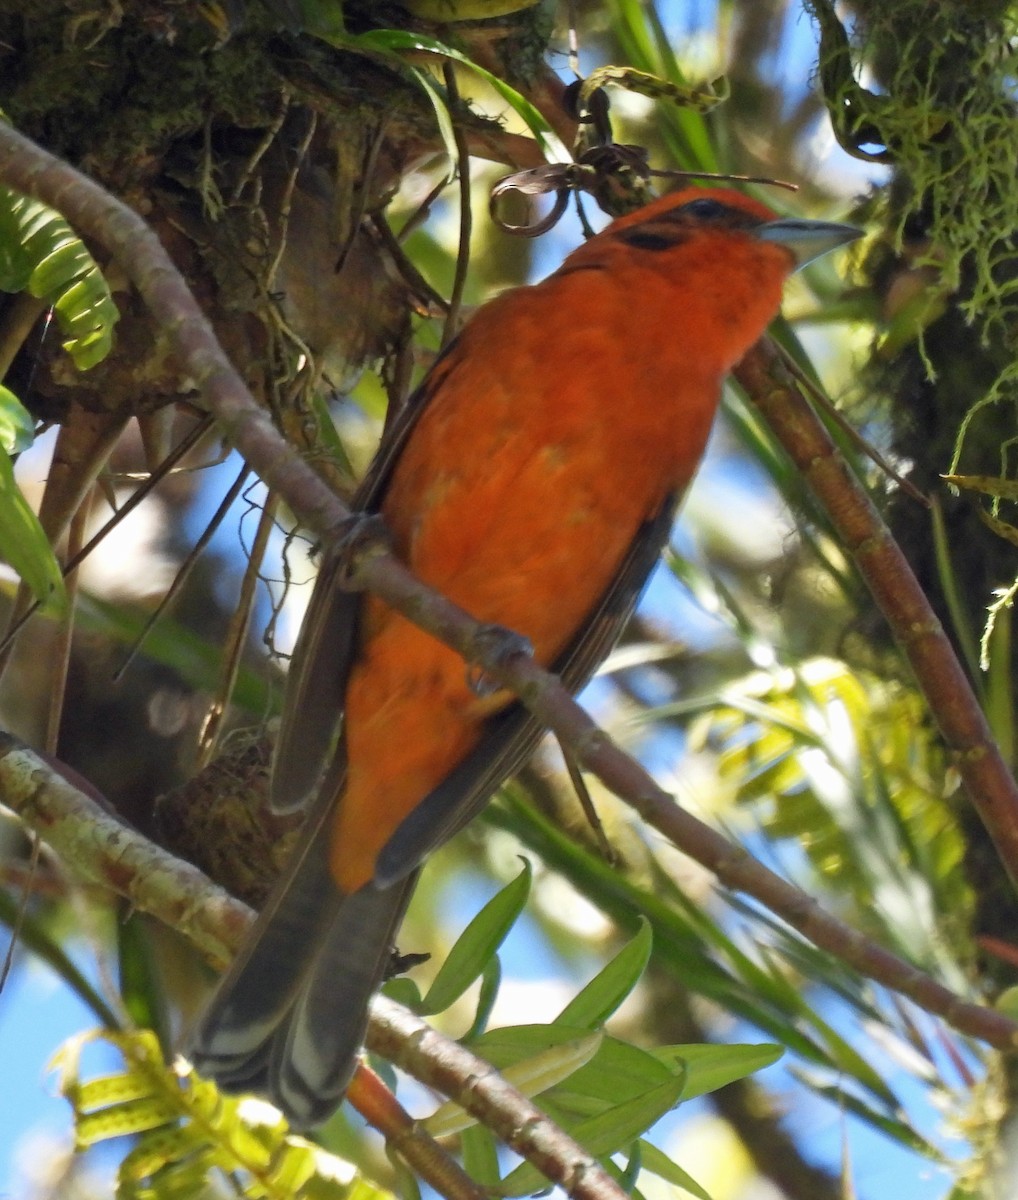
pixel 604 1134
pixel 446 11
pixel 389 41
pixel 108 1090
pixel 710 1067
pixel 404 991
pixel 987 485
pixel 327 436
pixel 658 1163
pixel 961 618
pixel 512 1043
pixel 898 1130
pixel 619 1072
pixel 440 107
pixel 491 981
pixel 291 1170
pixel 159 1148
pixel 631 1171
pixel 531 1076
pixel 37 933
pixel 601 997
pixel 142 986
pixel 24 545
pixel 699 99
pixel 195 657
pixel 477 944
pixel 480 1156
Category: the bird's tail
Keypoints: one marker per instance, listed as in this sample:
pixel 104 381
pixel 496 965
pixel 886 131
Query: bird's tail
pixel 288 1019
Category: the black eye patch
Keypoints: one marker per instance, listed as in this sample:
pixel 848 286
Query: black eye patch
pixel 643 240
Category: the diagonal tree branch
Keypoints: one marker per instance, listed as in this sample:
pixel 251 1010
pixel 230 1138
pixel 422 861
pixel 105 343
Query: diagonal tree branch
pixel 988 779
pixel 101 217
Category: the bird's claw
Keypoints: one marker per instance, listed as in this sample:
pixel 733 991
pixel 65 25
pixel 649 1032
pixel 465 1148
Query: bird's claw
pixel 498 644
pixel 357 538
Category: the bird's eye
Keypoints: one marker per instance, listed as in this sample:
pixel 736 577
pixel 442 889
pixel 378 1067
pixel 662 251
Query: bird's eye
pixel 704 209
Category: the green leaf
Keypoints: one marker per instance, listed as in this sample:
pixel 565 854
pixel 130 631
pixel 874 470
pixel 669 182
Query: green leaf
pixel 17 429
pixel 135 1116
pixel 158 1149
pixel 393 42
pixel 404 991
pixel 710 1067
pixel 532 1076
pixel 477 944
pixel 605 1133
pixel 607 990
pixel 633 1166
pixel 107 1090
pixel 480 1156
pixel 24 545
pixel 658 1163
pixel 618 1073
pixel 513 1043
pixel 328 437
pixel 491 981
pixel 441 110
pixel 41 254
pixel 188 1134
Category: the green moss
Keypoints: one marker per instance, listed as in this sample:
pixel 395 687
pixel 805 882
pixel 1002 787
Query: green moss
pixel 945 118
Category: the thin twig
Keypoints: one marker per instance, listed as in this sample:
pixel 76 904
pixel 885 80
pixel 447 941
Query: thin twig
pixel 185 569
pixel 82 449
pixel 60 656
pixel 411 276
pixel 236 636
pixel 187 443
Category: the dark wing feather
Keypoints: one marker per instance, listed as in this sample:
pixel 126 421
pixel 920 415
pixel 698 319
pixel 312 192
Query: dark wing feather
pixel 231 1041
pixel 308 739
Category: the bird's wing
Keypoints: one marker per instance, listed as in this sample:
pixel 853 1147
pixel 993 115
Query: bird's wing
pixel 511 736
pixel 308 739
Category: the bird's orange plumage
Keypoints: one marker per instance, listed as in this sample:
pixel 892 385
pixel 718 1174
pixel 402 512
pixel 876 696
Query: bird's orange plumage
pixel 551 439
pixel 567 415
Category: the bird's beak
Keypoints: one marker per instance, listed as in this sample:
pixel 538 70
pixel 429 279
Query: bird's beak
pixel 807 240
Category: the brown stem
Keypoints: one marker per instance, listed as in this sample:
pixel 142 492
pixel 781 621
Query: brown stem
pixel 412 1044
pixel 988 780
pixel 380 1108
pixel 235 640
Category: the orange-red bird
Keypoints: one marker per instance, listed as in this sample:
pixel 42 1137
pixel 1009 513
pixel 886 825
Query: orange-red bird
pixel 533 479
